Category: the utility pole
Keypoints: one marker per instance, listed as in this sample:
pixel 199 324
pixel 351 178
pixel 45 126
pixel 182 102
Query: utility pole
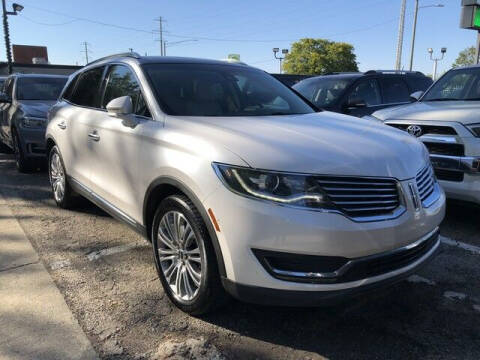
pixel 160 29
pixel 85 45
pixel 401 28
pixel 6 32
pixel 415 16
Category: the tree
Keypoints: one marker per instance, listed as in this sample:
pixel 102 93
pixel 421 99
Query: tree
pixel 320 56
pixel 466 57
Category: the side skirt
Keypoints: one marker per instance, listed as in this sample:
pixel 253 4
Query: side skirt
pixel 106 206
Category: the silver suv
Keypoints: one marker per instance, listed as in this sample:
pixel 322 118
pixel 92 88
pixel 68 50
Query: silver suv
pixel 241 186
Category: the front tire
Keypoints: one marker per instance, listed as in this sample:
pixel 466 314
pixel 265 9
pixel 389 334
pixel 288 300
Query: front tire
pixel 185 258
pixel 23 164
pixel 62 192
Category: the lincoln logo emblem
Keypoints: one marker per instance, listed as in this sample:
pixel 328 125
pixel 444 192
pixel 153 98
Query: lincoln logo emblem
pixel 414 130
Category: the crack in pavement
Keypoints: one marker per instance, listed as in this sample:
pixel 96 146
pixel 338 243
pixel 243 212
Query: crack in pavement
pixel 19 266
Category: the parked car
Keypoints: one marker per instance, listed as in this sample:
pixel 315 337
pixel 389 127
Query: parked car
pixel 23 116
pixel 360 94
pixel 240 185
pixel 446 119
pixel 290 79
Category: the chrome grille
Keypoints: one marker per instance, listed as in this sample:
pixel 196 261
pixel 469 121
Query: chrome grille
pixel 362 197
pixel 425 183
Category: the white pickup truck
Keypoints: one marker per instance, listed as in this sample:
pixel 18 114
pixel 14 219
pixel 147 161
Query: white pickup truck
pixel 446 118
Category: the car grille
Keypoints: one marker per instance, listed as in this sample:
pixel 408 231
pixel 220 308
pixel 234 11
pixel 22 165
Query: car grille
pixel 445 149
pixel 362 197
pixel 425 183
pixel 429 129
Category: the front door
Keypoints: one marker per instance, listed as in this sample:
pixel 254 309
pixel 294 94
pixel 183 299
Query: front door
pixel 117 151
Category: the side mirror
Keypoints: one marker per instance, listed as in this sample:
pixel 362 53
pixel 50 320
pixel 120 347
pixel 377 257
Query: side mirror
pixel 416 96
pixel 122 107
pixel 4 98
pixel 356 103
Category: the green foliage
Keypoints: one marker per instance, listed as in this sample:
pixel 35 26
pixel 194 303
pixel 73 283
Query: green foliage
pixel 320 56
pixel 465 57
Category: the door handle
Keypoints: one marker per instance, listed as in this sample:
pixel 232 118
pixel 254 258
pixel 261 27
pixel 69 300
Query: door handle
pixel 62 125
pixel 94 136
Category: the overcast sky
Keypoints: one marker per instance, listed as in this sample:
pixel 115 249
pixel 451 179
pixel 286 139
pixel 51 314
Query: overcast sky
pixel 247 27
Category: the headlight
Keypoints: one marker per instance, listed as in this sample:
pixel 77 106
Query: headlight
pixel 475 129
pixel 281 188
pixel 33 122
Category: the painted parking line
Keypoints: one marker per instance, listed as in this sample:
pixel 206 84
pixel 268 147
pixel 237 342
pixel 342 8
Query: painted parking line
pixel 95 255
pixel 468 247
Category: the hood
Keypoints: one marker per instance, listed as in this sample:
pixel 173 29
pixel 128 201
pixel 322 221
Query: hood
pixel 36 108
pixel 320 143
pixel 465 112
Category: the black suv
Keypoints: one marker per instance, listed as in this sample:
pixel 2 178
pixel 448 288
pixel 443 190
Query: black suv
pixel 361 94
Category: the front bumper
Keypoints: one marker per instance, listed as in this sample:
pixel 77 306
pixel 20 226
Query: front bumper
pixel 32 142
pixel 269 296
pixel 246 225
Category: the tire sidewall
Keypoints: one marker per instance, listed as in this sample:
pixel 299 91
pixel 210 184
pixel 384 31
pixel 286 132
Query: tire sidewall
pixel 55 150
pixel 177 203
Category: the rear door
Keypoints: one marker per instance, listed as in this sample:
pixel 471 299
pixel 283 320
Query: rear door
pixel 82 108
pixel 117 151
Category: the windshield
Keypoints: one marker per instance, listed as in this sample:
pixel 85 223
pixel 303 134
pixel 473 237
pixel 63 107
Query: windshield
pixel 40 88
pixel 323 92
pixel 463 84
pixel 221 90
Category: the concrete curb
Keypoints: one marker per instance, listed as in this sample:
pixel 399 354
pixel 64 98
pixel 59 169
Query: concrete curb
pixel 35 321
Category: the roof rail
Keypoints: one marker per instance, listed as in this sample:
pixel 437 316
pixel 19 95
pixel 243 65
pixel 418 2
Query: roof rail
pixel 131 54
pixel 340 73
pixel 373 72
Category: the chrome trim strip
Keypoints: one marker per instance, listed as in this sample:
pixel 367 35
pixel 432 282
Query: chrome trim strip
pixel 349 264
pixel 104 204
pixel 466 164
pixel 443 139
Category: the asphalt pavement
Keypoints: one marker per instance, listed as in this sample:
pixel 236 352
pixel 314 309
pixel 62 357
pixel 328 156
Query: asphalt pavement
pixel 106 275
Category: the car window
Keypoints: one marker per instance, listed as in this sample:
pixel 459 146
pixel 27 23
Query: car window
pixel 395 90
pixel 418 83
pixel 323 91
pixel 68 93
pixel 122 82
pixel 462 84
pixel 88 87
pixel 40 88
pixel 221 90
pixel 368 91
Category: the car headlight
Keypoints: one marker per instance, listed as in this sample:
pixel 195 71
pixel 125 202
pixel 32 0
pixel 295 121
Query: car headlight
pixel 33 122
pixel 475 129
pixel 282 188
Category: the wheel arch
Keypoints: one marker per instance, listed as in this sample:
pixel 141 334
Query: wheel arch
pixel 161 188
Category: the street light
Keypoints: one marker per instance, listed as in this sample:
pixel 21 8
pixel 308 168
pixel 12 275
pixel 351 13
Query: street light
pixel 284 52
pixel 436 60
pixel 16 8
pixel 415 16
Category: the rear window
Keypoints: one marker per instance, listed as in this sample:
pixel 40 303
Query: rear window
pixel 41 88
pixel 418 83
pixel 87 89
pixel 395 90
pixel 221 90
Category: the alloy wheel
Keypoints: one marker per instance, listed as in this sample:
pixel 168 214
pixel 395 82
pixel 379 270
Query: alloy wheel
pixel 57 177
pixel 179 255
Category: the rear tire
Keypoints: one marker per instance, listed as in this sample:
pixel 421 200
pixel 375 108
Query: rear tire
pixel 23 164
pixel 185 258
pixel 61 190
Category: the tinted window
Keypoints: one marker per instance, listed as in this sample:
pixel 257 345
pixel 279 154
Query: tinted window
pixel 418 83
pixel 122 82
pixel 87 89
pixel 68 93
pixel 324 91
pixel 395 90
pixel 368 91
pixel 221 90
pixel 40 88
pixel 461 84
